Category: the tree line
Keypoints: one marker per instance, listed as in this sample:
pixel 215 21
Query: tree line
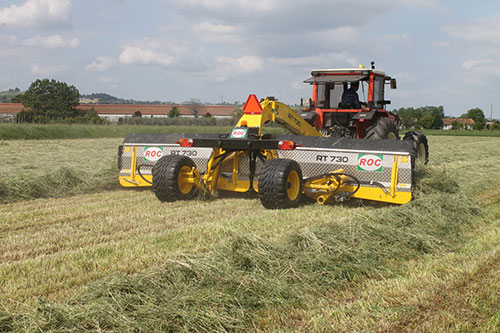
pixel 431 117
pixel 50 100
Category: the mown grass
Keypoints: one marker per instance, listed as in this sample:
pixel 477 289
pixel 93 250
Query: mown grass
pixel 123 261
pixel 455 291
pixel 246 274
pixel 56 168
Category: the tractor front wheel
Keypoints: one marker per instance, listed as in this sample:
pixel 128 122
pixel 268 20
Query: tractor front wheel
pixel 383 128
pixel 280 184
pixel 171 178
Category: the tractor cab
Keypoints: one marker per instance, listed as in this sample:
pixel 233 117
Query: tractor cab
pixel 330 113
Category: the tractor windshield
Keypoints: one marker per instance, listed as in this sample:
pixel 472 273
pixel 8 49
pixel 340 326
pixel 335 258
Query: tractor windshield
pixel 329 94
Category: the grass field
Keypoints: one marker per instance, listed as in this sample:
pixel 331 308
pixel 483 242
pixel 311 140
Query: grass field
pixel 106 259
pixel 81 131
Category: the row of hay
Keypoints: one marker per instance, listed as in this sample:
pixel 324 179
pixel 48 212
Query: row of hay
pixel 61 182
pixel 229 287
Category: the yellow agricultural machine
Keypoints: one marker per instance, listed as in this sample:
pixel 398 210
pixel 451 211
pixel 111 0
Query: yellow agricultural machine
pixel 332 151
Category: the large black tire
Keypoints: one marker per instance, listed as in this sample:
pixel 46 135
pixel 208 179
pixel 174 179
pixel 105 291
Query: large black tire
pixel 168 184
pixel 420 146
pixel 383 128
pixel 280 184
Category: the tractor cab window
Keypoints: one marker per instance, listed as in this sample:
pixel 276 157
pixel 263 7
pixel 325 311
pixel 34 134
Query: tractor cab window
pixel 378 92
pixel 329 95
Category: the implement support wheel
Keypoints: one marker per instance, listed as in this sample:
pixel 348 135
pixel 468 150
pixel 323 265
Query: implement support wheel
pixel 171 178
pixel 280 184
pixel 383 128
pixel 420 146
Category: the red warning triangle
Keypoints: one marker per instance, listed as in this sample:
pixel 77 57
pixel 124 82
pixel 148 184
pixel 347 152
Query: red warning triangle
pixel 252 106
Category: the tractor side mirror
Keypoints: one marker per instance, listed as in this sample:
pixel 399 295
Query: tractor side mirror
pixel 394 85
pixel 306 102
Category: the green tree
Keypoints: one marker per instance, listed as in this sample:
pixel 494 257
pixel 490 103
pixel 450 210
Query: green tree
pixel 423 117
pixel 194 105
pixel 51 99
pixel 18 98
pixel 236 115
pixel 432 117
pixel 409 116
pixel 174 112
pixel 457 125
pixel 477 115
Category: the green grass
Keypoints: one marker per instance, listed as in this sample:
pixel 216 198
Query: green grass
pixel 78 131
pixel 494 133
pixel 55 168
pixel 60 131
pixel 120 260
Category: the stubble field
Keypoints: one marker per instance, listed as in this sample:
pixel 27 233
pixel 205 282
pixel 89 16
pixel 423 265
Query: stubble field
pixel 79 253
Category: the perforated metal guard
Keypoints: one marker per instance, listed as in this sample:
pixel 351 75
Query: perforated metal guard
pixel 313 162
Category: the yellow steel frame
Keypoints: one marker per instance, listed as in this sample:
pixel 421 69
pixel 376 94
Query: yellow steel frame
pixel 282 114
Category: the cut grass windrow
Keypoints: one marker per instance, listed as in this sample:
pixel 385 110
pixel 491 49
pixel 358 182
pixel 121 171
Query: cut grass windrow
pixel 232 285
pixel 61 182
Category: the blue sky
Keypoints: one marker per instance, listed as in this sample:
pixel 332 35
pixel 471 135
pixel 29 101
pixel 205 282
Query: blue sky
pixel 441 52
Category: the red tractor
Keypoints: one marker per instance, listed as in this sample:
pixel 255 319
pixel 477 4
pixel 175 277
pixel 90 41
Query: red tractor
pixel 367 119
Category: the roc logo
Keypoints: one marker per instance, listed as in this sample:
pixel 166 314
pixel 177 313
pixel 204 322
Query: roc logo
pixel 239 133
pixel 369 162
pixel 152 154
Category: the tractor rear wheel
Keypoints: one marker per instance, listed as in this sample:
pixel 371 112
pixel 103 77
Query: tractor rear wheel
pixel 420 146
pixel 170 178
pixel 280 184
pixel 383 128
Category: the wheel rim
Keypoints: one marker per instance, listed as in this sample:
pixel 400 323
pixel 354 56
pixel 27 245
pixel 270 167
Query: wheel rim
pixel 293 185
pixel 183 180
pixel 421 152
pixel 392 136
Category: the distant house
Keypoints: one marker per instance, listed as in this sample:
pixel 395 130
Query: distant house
pixel 8 111
pixel 113 112
pixel 467 123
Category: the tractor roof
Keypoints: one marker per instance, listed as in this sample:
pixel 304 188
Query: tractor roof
pixel 341 75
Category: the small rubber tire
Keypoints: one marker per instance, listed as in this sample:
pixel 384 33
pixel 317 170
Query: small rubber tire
pixel 420 146
pixel 383 128
pixel 280 184
pixel 168 174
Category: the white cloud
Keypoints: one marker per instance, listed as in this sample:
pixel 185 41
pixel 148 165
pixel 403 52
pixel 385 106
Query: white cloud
pixel 50 42
pixel 442 44
pixel 38 14
pixel 259 5
pixel 47 71
pixel 229 67
pixel 244 64
pixel 156 52
pixel 482 31
pixel 208 27
pixel 137 55
pixel 473 63
pixel 311 62
pixel 101 64
pixel 216 33
pixel 111 81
